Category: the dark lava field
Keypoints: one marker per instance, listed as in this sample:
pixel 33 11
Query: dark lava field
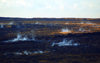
pixel 49 40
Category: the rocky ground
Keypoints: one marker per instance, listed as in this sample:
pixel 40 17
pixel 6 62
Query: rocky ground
pixel 88 50
pixel 49 40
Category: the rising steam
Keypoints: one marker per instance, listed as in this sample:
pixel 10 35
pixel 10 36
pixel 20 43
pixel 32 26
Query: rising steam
pixel 65 42
pixel 22 38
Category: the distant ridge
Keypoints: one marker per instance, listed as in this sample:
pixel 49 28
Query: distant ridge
pixel 47 19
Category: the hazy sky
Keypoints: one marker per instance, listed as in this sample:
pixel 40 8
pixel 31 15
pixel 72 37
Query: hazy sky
pixel 50 8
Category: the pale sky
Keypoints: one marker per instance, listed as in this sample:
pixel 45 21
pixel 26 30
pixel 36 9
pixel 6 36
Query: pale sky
pixel 50 8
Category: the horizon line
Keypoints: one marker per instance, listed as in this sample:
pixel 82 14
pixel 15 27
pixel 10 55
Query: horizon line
pixel 53 17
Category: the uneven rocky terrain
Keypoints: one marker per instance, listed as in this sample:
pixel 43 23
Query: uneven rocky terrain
pixel 42 40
